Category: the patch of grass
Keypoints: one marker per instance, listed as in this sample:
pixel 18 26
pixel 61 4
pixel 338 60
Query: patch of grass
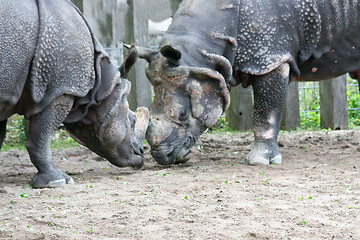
pixel 64 141
pixel 30 228
pixel 24 195
pixel 61 139
pixel 17 146
pixel 222 126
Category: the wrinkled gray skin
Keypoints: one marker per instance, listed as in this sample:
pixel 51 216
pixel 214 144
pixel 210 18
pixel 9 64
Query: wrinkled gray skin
pixel 52 70
pixel 214 45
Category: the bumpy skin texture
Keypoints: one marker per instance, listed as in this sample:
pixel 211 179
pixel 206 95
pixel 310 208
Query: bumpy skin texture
pixel 53 70
pixel 267 43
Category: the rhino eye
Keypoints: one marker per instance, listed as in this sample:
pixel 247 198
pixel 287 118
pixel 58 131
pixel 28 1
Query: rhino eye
pixel 183 114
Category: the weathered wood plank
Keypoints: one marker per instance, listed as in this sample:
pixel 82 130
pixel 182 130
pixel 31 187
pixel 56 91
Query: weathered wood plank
pixel 291 116
pixel 142 11
pixel 240 110
pixel 333 104
pixel 141 87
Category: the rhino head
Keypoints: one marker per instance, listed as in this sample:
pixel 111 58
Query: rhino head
pixel 188 100
pixel 110 128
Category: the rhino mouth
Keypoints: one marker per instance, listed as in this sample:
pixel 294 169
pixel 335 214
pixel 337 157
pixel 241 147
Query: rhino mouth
pixel 165 154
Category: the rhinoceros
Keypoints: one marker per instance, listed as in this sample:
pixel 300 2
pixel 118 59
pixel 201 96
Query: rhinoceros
pixel 213 45
pixel 53 71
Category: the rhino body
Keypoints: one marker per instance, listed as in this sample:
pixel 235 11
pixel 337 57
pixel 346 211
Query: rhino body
pixel 214 45
pixel 53 71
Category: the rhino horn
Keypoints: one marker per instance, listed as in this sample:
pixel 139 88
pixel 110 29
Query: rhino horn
pixel 142 121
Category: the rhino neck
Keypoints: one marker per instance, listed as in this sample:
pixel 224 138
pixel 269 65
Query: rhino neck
pixel 209 25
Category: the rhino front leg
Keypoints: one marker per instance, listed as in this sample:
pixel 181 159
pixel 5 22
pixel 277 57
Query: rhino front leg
pixel 270 92
pixel 41 129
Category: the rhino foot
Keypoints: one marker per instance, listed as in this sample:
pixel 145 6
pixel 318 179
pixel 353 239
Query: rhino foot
pixel 51 180
pixel 264 154
pixel 182 161
pixel 254 160
pixel 259 160
pixel 276 160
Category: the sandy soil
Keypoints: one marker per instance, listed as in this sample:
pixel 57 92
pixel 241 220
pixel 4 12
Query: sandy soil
pixel 314 194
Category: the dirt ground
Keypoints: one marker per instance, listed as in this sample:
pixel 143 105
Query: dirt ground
pixel 314 194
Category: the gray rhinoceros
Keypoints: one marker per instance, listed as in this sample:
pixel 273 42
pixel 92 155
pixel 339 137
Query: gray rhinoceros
pixel 212 45
pixel 53 70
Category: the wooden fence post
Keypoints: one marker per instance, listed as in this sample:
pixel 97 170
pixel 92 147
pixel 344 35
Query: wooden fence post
pixel 240 110
pixel 291 116
pixel 141 12
pixel 333 104
pixel 140 85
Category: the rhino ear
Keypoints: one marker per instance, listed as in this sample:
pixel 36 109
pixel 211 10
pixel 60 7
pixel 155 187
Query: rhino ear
pixel 209 95
pixel 172 54
pixel 129 61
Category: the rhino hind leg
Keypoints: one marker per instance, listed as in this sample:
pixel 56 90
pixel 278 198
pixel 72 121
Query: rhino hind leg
pixel 41 129
pixel 2 132
pixel 270 92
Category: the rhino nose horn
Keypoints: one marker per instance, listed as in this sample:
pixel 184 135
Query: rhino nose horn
pixel 155 132
pixel 142 121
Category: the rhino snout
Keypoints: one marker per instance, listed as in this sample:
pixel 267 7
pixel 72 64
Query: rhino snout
pixel 168 145
pixel 130 152
pixel 138 159
pixel 167 155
